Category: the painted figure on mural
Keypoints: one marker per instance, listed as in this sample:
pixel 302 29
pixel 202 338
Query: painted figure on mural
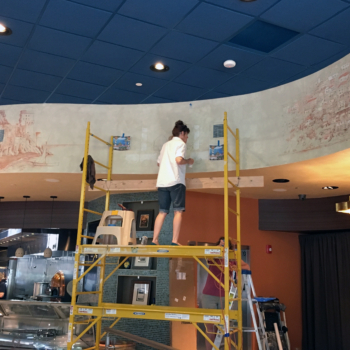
pixel 19 141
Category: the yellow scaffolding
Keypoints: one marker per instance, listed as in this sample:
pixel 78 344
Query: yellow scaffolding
pixel 153 312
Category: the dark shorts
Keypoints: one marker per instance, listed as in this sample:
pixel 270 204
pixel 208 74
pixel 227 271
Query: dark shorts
pixel 175 194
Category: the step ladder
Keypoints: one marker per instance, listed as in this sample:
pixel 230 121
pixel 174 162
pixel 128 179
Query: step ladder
pixel 259 330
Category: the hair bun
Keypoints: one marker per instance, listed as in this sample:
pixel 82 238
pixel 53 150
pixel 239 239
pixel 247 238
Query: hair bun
pixel 179 122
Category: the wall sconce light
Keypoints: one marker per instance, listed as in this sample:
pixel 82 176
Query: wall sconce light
pixel 343 207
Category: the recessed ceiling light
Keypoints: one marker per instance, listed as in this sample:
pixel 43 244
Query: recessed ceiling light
pixel 229 64
pixel 52 180
pixel 138 84
pixel 280 181
pixel 279 190
pixel 330 187
pixel 159 67
pixel 4 30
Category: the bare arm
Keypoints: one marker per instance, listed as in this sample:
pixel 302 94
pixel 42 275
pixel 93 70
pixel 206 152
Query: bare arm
pixel 182 161
pixel 2 295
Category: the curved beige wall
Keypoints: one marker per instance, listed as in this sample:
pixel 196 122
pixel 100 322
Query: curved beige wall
pixel 305 119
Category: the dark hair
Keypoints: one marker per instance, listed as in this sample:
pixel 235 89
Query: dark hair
pixel 179 128
pixel 229 242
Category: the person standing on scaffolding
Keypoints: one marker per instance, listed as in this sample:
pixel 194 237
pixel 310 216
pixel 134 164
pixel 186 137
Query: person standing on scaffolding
pixel 171 180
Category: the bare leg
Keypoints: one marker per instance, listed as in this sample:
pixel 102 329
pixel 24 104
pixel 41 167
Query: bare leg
pixel 177 225
pixel 210 333
pixel 158 226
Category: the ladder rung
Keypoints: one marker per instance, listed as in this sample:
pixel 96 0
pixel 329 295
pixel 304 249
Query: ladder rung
pixel 92 211
pixel 232 184
pixel 233 211
pixel 101 189
pixel 96 292
pixel 100 164
pixel 231 156
pixel 98 138
pixel 88 237
pixel 234 135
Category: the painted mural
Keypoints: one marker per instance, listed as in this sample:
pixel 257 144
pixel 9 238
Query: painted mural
pixel 304 119
pixel 321 117
pixel 21 143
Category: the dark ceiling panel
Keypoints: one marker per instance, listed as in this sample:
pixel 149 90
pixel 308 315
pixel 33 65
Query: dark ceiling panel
pixel 74 18
pixel 143 67
pixel 336 29
pixel 317 67
pixel 211 95
pixel 183 47
pixel 273 70
pixel 166 13
pixel 20 31
pixel 253 8
pixel 107 5
pixel 313 49
pixel 45 63
pixel 131 33
pixel 112 55
pixel 92 73
pixel 135 34
pixel 156 100
pixel 243 59
pixel 34 80
pixel 179 92
pixel 24 10
pixel 149 84
pixel 302 15
pixel 58 43
pixel 5 101
pixel 5 73
pixel 9 55
pixel 79 89
pixel 121 97
pixel 202 77
pixel 25 94
pixel 240 85
pixel 1 87
pixel 212 22
pixel 58 98
pixel 263 36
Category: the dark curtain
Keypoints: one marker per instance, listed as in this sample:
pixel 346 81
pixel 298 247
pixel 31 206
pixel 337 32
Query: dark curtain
pixel 325 264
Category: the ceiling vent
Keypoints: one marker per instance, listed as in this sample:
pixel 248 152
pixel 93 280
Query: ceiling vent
pixel 263 37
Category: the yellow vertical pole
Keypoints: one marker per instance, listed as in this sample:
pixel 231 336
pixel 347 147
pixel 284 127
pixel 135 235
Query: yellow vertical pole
pixel 109 174
pixel 100 301
pixel 78 242
pixel 239 251
pixel 226 247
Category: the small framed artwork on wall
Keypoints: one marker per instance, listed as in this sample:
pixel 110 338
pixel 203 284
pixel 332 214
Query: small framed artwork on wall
pixel 141 263
pixel 141 292
pixel 145 220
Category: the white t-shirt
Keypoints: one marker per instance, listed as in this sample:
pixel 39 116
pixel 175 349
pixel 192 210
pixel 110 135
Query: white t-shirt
pixel 170 173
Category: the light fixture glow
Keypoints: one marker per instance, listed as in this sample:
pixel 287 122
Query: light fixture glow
pixel 138 84
pixel 330 187
pixel 343 207
pixel 159 66
pixel 5 30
